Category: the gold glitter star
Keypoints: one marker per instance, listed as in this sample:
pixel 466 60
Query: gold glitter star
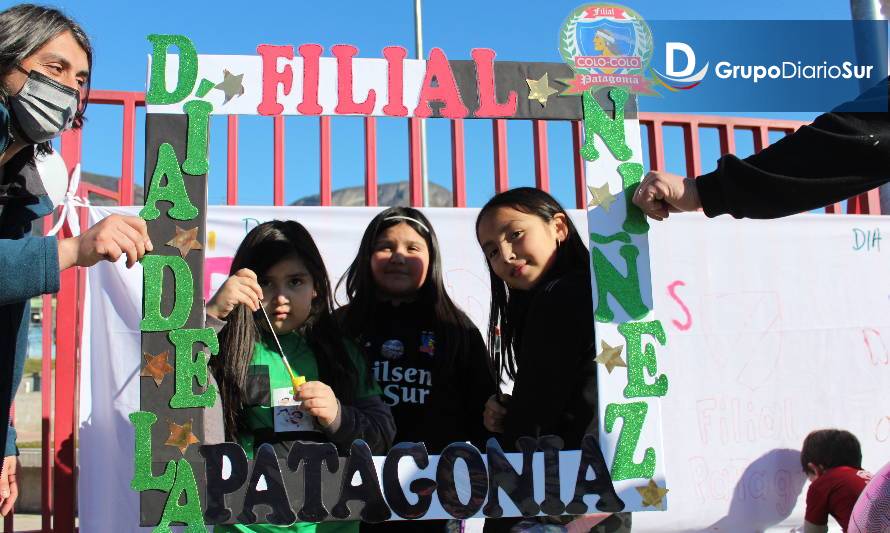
pixel 653 495
pixel 601 196
pixel 610 357
pixel 540 90
pixel 185 240
pixel 156 367
pixel 181 436
pixel 231 85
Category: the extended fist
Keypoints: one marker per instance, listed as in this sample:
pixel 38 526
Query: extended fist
pixel 661 193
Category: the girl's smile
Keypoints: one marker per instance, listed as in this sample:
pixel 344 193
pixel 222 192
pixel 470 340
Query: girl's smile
pixel 399 262
pixel 520 247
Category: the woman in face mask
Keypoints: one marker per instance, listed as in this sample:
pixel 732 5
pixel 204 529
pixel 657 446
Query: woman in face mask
pixel 45 61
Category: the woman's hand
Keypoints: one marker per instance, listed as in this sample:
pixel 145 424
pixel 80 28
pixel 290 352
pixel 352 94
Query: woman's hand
pixel 109 239
pixel 241 288
pixel 494 413
pixel 319 401
pixel 9 486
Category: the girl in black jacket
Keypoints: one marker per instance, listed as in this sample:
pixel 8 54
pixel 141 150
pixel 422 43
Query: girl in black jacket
pixel 540 328
pixel 427 356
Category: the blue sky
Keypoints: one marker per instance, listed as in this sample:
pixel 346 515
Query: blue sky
pixel 518 30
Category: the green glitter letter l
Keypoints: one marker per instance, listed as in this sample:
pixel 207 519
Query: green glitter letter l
pixel 623 465
pixel 142 476
pixel 639 359
pixel 596 122
pixel 626 290
pixel 153 286
pixel 188 69
pixel 188 368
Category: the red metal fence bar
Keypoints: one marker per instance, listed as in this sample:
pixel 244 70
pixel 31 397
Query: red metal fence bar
pixel 232 160
pixel 499 142
pixel 324 128
pixel 458 164
pixel 415 163
pixel 278 160
pixel 67 353
pixel 370 161
pixel 46 369
pixel 578 166
pixel 542 163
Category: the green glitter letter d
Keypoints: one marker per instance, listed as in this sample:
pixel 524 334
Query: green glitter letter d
pixel 188 69
pixel 153 285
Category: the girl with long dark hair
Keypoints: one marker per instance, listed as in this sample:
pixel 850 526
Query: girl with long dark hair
pixel 425 352
pixel 279 267
pixel 540 327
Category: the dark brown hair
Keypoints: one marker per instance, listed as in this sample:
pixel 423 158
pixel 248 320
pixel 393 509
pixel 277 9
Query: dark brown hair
pixel 24 29
pixel 264 246
pixel 829 448
pixel 570 255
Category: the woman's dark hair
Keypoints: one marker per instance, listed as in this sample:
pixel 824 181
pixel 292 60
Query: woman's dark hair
pixel 829 448
pixel 361 290
pixel 24 29
pixel 264 246
pixel 571 254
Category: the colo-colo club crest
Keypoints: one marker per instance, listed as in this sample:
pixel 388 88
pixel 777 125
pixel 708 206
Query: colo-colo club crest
pixel 606 45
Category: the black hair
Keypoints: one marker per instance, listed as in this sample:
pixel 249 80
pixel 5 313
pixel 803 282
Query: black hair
pixel 571 255
pixel 24 29
pixel 261 249
pixel 361 290
pixel 829 448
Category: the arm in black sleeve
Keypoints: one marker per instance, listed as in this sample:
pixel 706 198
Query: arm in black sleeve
pixel 558 338
pixel 368 419
pixel 839 155
pixel 480 386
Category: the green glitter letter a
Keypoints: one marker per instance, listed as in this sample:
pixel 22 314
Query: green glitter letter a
pixel 173 191
pixel 625 289
pixel 596 122
pixel 188 69
pixel 188 513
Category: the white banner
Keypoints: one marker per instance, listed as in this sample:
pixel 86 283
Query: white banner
pixel 774 329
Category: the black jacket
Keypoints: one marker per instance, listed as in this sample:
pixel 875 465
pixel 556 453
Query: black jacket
pixel 434 399
pixel 841 154
pixel 555 388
